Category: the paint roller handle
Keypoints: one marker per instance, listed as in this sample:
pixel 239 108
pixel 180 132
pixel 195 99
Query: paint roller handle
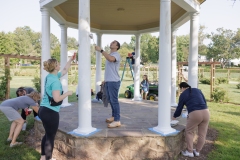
pixel 74 56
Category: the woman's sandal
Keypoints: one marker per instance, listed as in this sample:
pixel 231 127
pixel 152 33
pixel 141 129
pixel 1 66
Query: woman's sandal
pixel 15 144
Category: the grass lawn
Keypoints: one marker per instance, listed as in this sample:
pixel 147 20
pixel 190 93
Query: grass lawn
pixel 224 118
pixel 22 152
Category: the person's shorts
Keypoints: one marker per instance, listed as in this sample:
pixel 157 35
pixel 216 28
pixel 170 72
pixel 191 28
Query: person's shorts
pixel 10 113
pixel 145 90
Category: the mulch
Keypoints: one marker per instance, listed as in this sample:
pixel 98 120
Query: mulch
pixel 207 148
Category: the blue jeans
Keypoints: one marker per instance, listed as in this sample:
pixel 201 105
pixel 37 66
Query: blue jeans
pixel 112 89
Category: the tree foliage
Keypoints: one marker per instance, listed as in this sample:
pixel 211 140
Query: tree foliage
pixel 182 48
pixel 224 46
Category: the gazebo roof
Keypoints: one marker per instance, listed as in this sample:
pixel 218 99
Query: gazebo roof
pixel 121 15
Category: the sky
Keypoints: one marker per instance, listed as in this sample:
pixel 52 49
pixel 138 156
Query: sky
pixel 214 14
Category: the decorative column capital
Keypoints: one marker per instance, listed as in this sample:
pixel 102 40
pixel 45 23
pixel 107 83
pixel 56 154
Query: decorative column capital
pixel 193 15
pixel 45 11
pixel 174 29
pixel 138 35
pixel 63 26
pixel 165 1
pixel 99 34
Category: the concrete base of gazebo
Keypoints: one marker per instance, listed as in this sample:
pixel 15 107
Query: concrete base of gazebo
pixel 133 140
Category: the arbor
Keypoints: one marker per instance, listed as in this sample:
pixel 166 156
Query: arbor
pixel 224 46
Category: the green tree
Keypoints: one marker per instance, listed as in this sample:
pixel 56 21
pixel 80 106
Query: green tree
pixel 72 43
pixel 153 49
pixel 182 48
pixel 93 54
pixel 143 46
pixel 54 42
pixel 23 41
pixel 56 53
pixel 124 50
pixel 6 43
pixel 224 46
pixel 202 36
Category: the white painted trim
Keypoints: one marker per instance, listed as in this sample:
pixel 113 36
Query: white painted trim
pixel 50 3
pixel 57 17
pixel 182 20
pixel 188 5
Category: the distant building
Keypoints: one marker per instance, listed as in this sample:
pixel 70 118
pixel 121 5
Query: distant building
pixel 202 58
pixel 235 61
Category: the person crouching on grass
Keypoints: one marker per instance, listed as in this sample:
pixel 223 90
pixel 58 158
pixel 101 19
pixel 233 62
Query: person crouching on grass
pixel 10 108
pixel 22 91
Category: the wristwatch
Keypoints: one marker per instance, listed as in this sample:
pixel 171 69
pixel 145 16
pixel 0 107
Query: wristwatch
pixel 101 50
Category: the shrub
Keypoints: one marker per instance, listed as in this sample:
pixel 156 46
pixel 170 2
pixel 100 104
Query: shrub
pixel 219 95
pixel 204 81
pixel 222 80
pixel 37 81
pixel 238 86
pixel 73 79
pixel 3 83
pixel 217 82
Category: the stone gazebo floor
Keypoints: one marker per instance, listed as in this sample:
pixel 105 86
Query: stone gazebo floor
pixel 132 140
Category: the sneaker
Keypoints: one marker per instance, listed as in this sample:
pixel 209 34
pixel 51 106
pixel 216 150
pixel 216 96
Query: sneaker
pixel 24 126
pixel 114 124
pixel 187 154
pixel 110 120
pixel 195 153
pixel 15 144
pixel 9 140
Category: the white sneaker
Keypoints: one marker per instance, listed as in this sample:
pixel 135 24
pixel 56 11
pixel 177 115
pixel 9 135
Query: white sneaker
pixel 195 153
pixel 24 126
pixel 187 154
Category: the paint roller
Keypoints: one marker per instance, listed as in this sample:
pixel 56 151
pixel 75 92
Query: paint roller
pixel 91 36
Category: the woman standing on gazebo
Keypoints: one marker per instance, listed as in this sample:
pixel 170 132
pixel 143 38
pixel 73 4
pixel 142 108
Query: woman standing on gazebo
pixel 50 105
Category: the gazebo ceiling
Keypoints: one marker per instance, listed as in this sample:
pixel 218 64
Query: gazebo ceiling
pixel 131 15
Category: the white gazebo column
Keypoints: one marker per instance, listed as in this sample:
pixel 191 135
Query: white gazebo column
pixel 63 61
pixel 45 55
pixel 84 71
pixel 193 51
pixel 98 64
pixel 164 86
pixel 174 67
pixel 137 96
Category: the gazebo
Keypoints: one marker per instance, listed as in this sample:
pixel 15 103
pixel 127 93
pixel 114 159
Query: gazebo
pixel 123 17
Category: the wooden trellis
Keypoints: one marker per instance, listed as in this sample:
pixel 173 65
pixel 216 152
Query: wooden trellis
pixel 212 78
pixel 7 66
